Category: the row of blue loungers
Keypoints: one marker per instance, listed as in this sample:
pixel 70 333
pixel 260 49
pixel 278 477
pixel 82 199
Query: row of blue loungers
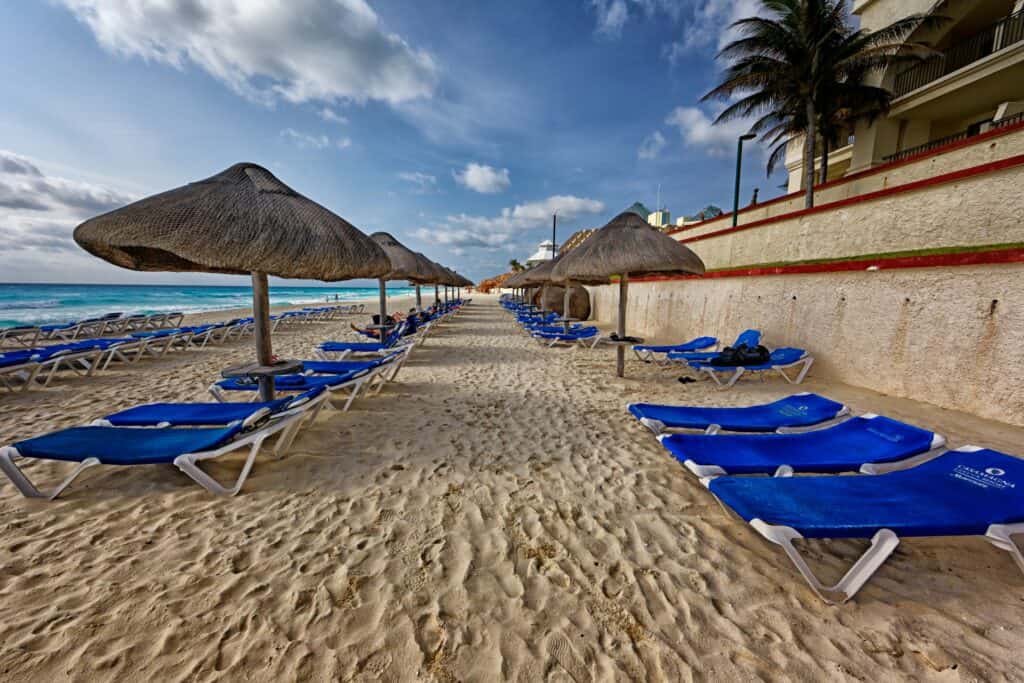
pixel 186 434
pixel 697 355
pixel 542 327
pixel 906 483
pixel 24 369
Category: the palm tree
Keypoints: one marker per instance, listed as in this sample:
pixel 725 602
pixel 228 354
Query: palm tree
pixel 515 265
pixel 802 70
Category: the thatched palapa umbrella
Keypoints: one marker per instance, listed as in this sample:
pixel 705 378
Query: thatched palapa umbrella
pixel 626 246
pixel 405 265
pixel 240 221
pixel 431 274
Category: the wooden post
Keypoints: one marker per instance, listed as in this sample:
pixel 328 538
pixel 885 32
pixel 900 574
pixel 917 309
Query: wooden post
pixel 437 296
pixel 383 306
pixel 620 349
pixel 419 299
pixel 566 300
pixel 261 317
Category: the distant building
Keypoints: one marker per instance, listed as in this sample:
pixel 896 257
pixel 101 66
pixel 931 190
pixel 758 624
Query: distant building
pixel 708 212
pixel 640 210
pixel 660 218
pixel 544 252
pixel 576 239
pixel 972 84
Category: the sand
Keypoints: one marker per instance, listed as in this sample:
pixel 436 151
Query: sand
pixel 493 515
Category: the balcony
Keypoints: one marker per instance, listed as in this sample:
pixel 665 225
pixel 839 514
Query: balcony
pixel 998 36
pixel 956 137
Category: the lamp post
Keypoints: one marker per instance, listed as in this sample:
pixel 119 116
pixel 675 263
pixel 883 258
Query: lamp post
pixel 554 225
pixel 739 165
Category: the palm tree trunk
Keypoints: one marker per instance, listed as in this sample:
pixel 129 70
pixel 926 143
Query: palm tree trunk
pixel 824 158
pixel 809 141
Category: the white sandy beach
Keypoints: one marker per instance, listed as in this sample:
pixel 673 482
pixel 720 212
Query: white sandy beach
pixel 495 514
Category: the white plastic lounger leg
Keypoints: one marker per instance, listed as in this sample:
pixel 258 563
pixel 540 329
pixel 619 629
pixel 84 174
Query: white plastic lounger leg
pixel 883 544
pixel 805 363
pixel 9 454
pixel 1001 536
pixel 656 426
pixel 189 462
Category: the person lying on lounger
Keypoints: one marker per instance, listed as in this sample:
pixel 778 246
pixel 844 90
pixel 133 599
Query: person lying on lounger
pixel 393 320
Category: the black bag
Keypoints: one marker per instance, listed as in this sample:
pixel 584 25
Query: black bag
pixel 741 355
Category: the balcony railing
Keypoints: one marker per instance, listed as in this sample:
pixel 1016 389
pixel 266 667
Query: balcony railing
pixel 1000 35
pixel 955 137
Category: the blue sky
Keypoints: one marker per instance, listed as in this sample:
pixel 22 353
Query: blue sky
pixel 456 125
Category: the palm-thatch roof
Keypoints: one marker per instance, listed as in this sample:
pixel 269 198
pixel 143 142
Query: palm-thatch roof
pixel 539 275
pixel 433 274
pixel 239 221
pixel 627 245
pixel 405 263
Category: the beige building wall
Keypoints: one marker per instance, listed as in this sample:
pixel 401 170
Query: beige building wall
pixel 992 149
pixel 950 337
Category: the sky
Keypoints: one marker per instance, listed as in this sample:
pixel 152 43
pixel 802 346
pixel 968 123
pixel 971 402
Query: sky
pixel 459 126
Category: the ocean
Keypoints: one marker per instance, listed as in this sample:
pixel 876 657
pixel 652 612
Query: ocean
pixel 32 304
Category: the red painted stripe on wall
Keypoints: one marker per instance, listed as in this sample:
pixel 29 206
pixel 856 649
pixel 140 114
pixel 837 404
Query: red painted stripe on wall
pixel 962 174
pixel 971 258
pixel 983 137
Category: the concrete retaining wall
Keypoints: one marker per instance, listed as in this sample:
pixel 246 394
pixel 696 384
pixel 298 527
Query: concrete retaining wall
pixel 951 337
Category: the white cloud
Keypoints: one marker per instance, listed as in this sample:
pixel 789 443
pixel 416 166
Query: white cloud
pixel 292 50
pixel 422 182
pixel 708 25
pixel 651 146
pixel 331 116
pixel 307 141
pixel 462 231
pixel 483 179
pixel 612 15
pixel 38 213
pixel 304 140
pixel 699 130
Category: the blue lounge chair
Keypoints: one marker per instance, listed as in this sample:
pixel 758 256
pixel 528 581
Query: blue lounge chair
pixel 648 353
pixel 586 336
pixel 346 385
pixel 749 338
pixel 965 492
pixel 870 443
pixel 792 412
pixel 780 360
pixel 184 447
pixel 345 349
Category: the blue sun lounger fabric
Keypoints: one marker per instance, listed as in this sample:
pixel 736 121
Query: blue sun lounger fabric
pixel 205 414
pixel 121 446
pixel 293 382
pixel 844 447
pixel 967 491
pixel 746 337
pixel 686 347
pixel 798 410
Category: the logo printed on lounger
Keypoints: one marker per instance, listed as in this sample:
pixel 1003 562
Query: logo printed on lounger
pixel 989 478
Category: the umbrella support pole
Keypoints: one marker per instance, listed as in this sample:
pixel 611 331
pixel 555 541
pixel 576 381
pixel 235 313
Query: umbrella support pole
pixel 383 291
pixel 565 304
pixel 620 350
pixel 261 318
pixel 419 299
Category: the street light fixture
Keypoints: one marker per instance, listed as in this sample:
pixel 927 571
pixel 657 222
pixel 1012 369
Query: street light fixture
pixel 739 164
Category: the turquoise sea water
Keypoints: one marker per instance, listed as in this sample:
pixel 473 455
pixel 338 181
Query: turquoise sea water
pixel 31 304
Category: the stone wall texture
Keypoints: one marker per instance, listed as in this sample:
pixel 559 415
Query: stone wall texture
pixel 951 337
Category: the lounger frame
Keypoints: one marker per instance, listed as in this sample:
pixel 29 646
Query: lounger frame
pixel 804 364
pixel 188 463
pixel 883 543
